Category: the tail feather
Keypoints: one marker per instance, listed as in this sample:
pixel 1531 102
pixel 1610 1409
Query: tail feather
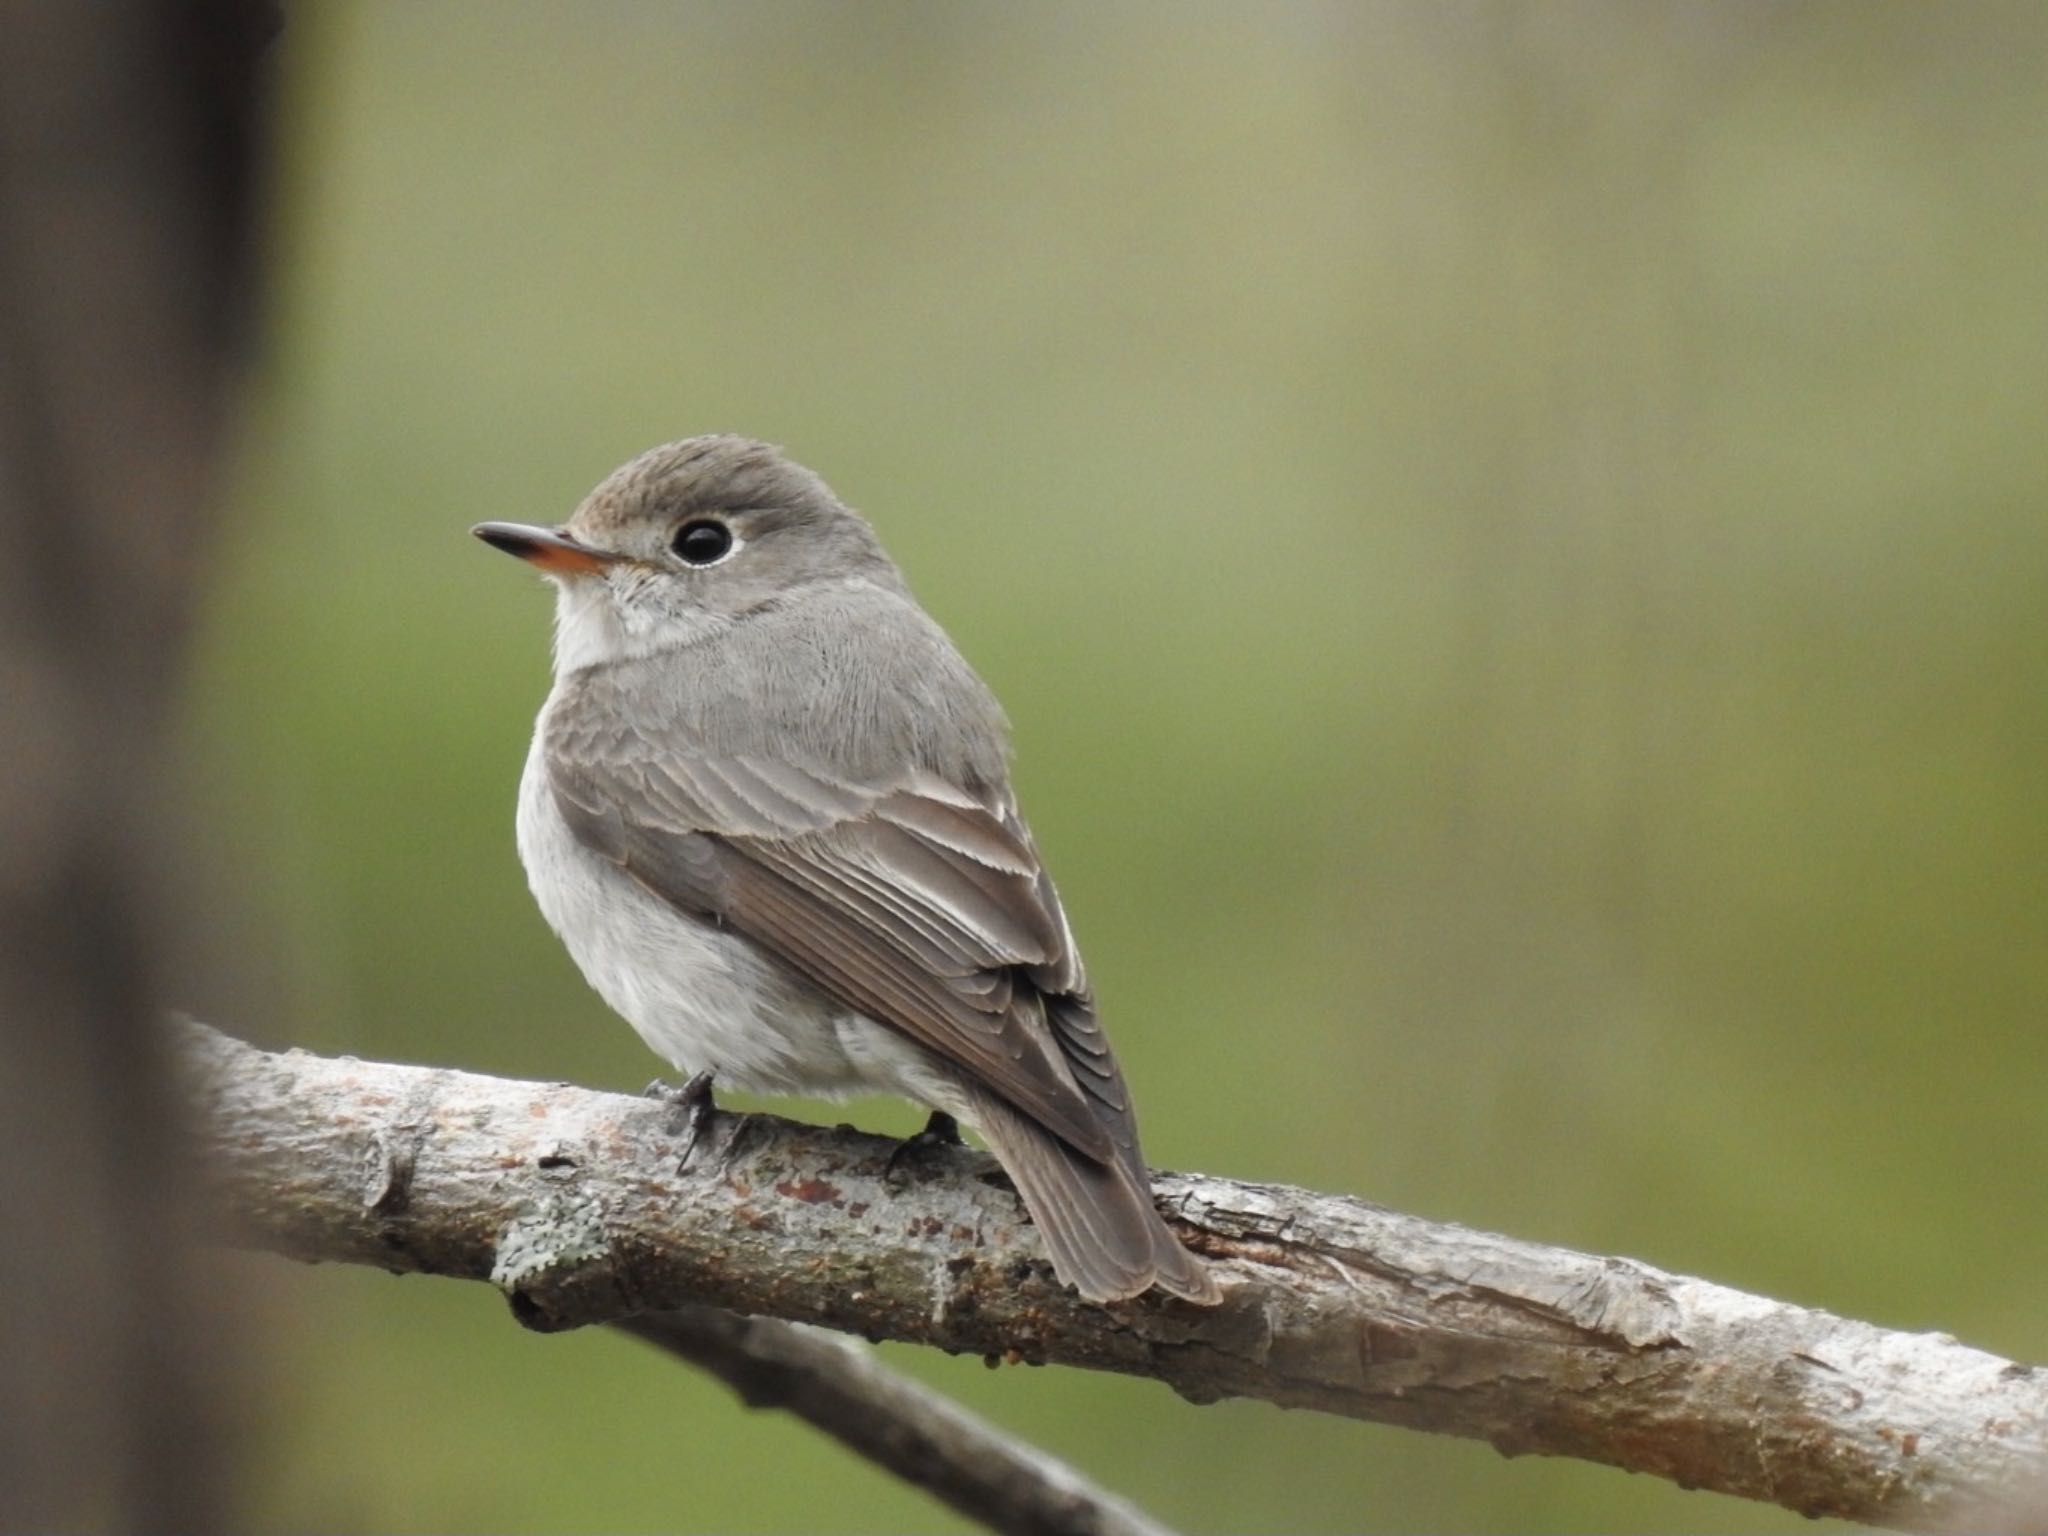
pixel 1101 1230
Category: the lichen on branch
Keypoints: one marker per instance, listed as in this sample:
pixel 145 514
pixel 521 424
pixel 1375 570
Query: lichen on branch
pixel 574 1203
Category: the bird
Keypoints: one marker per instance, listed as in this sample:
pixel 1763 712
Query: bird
pixel 767 809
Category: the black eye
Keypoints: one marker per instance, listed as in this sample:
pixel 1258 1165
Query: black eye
pixel 702 541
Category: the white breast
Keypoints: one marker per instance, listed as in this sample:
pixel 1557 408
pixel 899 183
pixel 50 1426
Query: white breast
pixel 702 997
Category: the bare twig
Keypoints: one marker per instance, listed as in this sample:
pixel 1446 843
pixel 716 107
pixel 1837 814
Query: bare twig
pixel 924 1438
pixel 571 1202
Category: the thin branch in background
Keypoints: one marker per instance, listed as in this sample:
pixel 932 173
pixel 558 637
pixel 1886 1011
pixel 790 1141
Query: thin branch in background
pixel 570 1201
pixel 922 1437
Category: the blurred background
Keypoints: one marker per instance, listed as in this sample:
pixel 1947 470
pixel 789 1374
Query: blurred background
pixel 1515 540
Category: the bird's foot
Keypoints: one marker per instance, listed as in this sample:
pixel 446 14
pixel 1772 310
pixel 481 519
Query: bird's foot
pixel 942 1130
pixel 691 1108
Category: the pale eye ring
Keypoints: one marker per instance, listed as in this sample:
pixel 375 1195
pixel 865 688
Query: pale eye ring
pixel 702 541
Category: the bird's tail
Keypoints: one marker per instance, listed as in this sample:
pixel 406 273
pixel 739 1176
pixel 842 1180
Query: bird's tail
pixel 1105 1237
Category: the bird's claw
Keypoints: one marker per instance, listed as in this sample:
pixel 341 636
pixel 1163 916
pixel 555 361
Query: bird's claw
pixel 691 1108
pixel 942 1130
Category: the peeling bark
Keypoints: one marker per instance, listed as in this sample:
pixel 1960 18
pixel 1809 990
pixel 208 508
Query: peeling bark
pixel 571 1202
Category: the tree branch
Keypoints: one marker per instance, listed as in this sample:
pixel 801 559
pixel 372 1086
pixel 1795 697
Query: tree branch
pixel 571 1202
pixel 924 1438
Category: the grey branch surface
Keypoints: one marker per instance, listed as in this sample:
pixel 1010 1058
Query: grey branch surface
pixel 920 1435
pixel 572 1203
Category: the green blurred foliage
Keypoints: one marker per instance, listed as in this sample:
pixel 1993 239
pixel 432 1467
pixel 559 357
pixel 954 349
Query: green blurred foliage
pixel 1514 541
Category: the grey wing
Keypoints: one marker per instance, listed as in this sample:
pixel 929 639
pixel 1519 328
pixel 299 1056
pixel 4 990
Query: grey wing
pixel 917 902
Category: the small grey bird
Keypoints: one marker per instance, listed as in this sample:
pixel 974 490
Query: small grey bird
pixel 768 810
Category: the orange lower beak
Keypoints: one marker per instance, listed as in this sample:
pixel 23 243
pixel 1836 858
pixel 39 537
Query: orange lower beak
pixel 556 553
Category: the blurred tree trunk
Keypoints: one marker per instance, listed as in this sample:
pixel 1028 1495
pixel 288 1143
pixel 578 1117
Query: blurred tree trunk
pixel 128 139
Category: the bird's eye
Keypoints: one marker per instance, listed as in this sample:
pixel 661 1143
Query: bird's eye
pixel 702 541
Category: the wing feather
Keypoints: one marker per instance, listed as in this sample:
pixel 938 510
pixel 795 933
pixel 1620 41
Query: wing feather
pixel 916 902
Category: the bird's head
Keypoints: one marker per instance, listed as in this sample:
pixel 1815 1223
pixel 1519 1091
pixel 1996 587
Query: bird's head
pixel 688 540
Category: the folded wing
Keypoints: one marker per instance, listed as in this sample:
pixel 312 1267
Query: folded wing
pixel 919 903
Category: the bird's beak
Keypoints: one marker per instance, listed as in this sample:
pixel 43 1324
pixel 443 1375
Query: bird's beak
pixel 553 552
